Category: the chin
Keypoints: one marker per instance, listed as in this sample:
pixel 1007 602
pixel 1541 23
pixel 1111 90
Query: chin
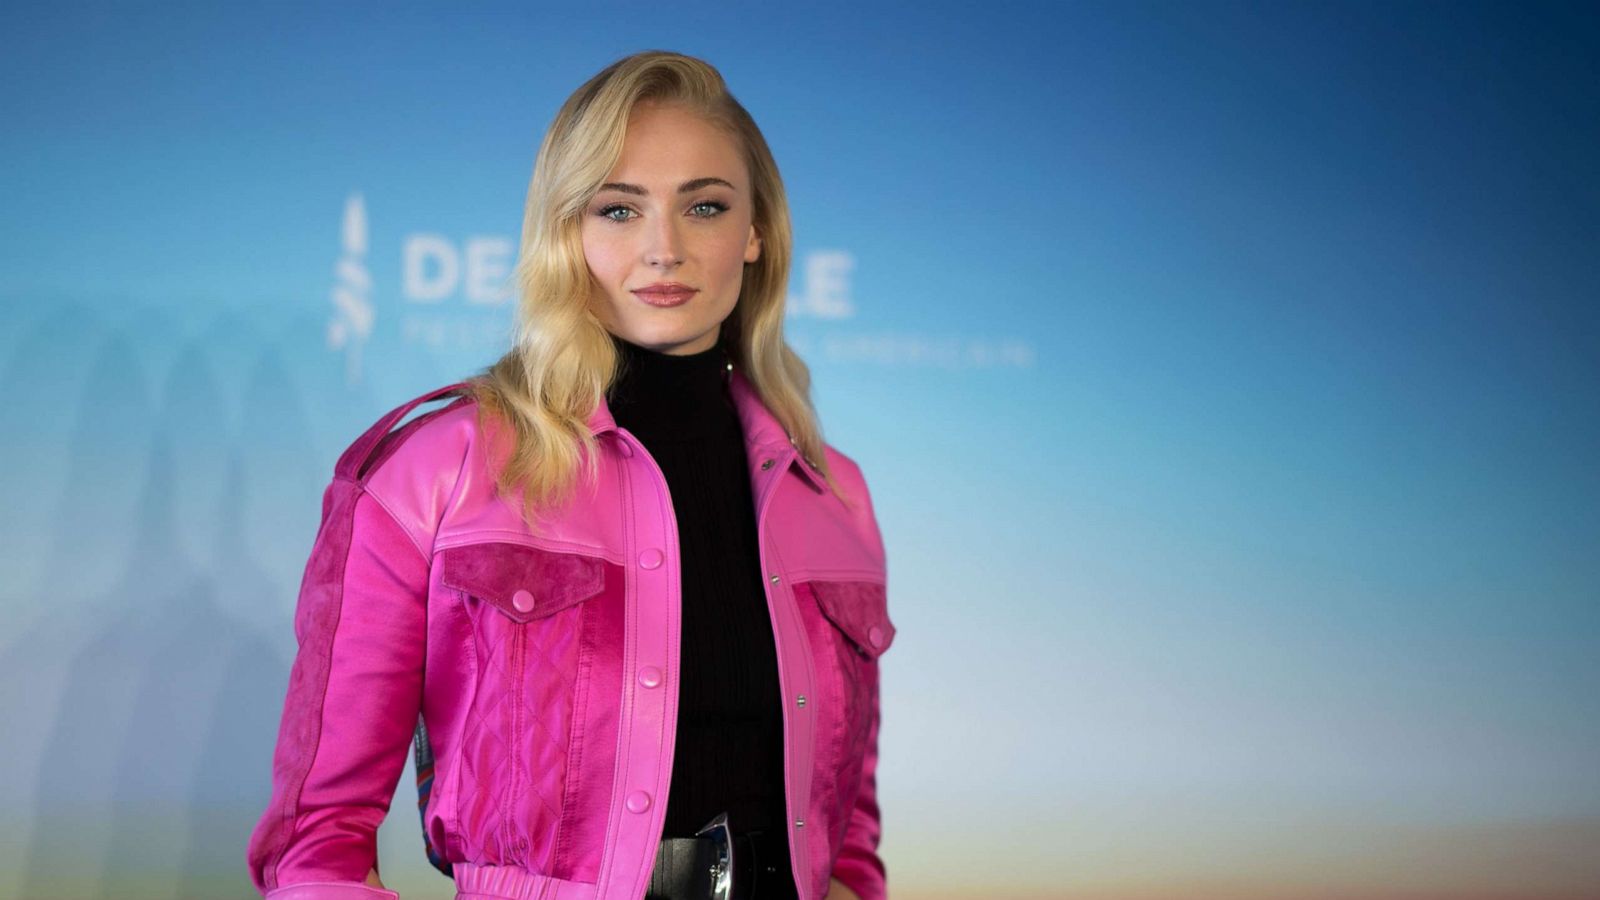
pixel 665 335
pixel 651 333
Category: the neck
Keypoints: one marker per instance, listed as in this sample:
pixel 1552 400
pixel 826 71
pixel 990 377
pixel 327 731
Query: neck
pixel 668 396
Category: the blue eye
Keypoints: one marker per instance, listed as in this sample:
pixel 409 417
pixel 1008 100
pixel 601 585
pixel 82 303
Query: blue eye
pixel 717 206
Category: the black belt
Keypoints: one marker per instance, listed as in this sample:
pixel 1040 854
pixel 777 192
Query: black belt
pixel 697 868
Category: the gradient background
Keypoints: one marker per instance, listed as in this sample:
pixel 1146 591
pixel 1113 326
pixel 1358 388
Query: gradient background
pixel 1227 377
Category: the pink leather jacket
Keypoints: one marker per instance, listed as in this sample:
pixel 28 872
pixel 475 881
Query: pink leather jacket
pixel 536 674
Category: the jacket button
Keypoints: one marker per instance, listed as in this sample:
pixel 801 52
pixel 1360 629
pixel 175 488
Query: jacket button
pixel 799 823
pixel 649 676
pixel 800 701
pixel 774 579
pixel 638 801
pixel 650 558
pixel 875 635
pixel 522 600
pixel 766 464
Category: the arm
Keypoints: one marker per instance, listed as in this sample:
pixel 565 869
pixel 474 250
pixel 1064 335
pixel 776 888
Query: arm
pixel 353 699
pixel 859 868
pixel 837 891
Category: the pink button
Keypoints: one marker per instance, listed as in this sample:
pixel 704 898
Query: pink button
pixel 651 558
pixel 875 635
pixel 650 676
pixel 522 600
pixel 638 801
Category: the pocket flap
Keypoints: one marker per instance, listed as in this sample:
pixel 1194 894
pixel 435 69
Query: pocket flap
pixel 522 581
pixel 860 610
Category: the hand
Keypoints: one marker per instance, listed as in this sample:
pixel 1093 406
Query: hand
pixel 372 878
pixel 837 891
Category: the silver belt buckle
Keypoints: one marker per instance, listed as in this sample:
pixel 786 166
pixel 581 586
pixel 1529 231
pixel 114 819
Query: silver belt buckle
pixel 722 870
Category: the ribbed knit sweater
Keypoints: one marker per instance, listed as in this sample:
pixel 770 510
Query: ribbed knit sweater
pixel 729 748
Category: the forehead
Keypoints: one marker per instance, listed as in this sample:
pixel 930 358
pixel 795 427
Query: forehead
pixel 668 144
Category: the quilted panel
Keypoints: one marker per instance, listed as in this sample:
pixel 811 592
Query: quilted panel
pixel 513 756
pixel 859 609
pixel 522 581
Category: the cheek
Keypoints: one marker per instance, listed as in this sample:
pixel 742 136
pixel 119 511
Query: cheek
pixel 604 257
pixel 729 256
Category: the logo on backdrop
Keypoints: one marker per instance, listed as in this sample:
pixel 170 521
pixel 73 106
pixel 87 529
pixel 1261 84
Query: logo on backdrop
pixel 455 296
pixel 351 324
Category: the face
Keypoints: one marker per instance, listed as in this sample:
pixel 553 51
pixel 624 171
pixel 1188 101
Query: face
pixel 677 208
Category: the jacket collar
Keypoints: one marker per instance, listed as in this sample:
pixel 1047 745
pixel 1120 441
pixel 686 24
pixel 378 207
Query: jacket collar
pixel 764 436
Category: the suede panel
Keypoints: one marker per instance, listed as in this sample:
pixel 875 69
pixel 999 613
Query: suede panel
pixel 858 864
pixel 353 697
pixel 497 571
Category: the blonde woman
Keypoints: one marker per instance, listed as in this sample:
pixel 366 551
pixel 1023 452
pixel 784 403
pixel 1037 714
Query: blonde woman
pixel 618 596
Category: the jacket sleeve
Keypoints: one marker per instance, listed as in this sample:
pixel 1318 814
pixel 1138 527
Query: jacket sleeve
pixel 353 698
pixel 859 867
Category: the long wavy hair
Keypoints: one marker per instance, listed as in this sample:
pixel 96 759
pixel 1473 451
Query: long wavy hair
pixel 563 361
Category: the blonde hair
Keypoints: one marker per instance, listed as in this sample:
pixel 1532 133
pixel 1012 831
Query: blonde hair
pixel 563 360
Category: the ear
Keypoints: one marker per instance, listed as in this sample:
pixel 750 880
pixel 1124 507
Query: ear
pixel 752 247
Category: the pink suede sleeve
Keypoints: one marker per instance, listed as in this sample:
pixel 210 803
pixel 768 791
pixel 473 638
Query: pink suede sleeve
pixel 859 865
pixel 352 704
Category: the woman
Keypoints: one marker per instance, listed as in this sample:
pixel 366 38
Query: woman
pixel 619 595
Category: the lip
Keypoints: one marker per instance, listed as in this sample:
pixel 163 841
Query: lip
pixel 665 293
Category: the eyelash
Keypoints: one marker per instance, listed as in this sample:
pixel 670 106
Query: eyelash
pixel 605 211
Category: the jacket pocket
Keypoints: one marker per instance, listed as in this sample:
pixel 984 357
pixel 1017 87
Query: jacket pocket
pixel 859 609
pixel 522 581
pixel 526 606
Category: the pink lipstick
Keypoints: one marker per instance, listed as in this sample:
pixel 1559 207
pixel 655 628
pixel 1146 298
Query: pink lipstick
pixel 666 293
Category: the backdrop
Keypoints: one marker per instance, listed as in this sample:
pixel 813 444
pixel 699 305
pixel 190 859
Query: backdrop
pixel 1225 374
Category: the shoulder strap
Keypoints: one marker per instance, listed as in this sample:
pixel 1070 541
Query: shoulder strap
pixel 355 456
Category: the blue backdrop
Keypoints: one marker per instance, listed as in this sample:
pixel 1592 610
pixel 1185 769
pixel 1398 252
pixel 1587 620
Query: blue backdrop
pixel 1225 374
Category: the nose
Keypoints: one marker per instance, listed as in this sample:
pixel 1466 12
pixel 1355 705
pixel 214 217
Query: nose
pixel 664 248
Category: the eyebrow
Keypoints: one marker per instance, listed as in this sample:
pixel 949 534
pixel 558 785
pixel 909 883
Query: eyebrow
pixel 689 186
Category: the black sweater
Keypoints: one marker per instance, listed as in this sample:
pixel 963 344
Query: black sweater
pixel 729 747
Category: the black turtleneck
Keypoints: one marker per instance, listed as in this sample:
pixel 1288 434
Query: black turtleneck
pixel 729 747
